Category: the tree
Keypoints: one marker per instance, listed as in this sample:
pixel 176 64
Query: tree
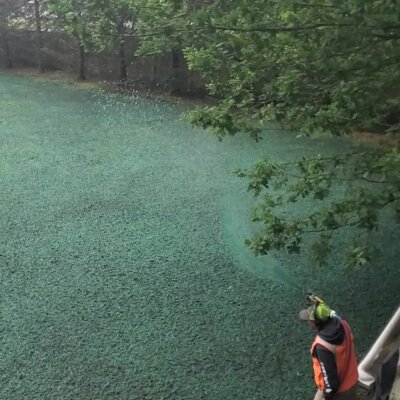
pixel 39 39
pixel 78 20
pixel 26 14
pixel 162 28
pixel 7 8
pixel 115 20
pixel 372 197
pixel 97 25
pixel 315 66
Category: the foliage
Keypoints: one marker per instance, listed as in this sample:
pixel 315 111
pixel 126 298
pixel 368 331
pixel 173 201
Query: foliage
pixel 17 15
pixel 359 209
pixel 113 19
pixel 315 66
pixel 77 18
pixel 161 25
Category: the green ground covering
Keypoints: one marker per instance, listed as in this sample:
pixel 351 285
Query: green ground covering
pixel 123 273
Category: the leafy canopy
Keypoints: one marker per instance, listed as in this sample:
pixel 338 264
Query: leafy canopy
pixel 312 66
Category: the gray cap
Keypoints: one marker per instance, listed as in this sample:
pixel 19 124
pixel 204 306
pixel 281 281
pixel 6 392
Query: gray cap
pixel 306 314
pixel 321 311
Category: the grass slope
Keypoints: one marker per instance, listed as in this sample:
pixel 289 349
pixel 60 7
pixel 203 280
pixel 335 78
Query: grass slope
pixel 121 274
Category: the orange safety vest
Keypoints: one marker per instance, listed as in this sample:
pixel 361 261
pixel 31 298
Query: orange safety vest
pixel 346 362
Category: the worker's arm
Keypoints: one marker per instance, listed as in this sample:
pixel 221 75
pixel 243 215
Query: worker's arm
pixel 327 362
pixel 319 395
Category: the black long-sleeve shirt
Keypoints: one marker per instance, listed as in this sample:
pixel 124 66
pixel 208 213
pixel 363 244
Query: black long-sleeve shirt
pixel 327 362
pixel 333 333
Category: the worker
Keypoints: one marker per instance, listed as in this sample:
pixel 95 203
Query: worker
pixel 332 352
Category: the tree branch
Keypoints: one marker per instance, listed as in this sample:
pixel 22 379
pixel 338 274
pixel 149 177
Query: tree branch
pixel 315 5
pixel 9 12
pixel 387 37
pixel 281 28
pixel 332 178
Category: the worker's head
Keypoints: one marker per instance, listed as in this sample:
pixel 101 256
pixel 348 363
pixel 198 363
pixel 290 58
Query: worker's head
pixel 318 314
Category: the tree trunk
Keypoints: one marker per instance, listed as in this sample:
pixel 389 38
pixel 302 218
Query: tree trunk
pixel 175 63
pixel 191 82
pixel 154 72
pixel 82 69
pixel 123 71
pixel 174 60
pixel 39 41
pixel 6 48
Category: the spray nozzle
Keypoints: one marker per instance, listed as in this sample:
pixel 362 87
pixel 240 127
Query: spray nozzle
pixel 313 298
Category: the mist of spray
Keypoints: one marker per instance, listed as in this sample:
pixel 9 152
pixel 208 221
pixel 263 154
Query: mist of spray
pixel 237 227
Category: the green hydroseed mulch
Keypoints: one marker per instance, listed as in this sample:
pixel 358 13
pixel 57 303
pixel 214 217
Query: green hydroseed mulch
pixel 123 273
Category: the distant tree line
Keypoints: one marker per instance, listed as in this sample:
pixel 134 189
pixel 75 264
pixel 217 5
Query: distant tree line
pixel 96 25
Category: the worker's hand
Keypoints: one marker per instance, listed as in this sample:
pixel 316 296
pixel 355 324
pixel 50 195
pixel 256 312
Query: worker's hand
pixel 319 395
